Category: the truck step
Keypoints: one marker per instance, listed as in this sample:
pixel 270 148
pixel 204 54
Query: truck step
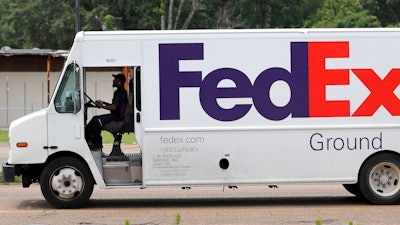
pixel 131 157
pixel 122 172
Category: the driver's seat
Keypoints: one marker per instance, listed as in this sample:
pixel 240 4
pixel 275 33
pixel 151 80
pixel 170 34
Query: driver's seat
pixel 118 128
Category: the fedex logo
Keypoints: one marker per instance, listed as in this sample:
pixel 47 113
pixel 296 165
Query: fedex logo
pixel 307 79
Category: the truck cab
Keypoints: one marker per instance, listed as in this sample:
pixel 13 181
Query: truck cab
pixel 49 146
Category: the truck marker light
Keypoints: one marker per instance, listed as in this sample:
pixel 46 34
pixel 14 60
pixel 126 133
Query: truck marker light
pixel 22 144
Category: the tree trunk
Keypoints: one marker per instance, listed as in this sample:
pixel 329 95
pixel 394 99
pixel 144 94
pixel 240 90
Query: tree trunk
pixel 195 6
pixel 170 13
pixel 178 14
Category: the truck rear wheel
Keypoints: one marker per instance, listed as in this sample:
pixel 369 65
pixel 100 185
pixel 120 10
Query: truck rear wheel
pixel 66 182
pixel 380 179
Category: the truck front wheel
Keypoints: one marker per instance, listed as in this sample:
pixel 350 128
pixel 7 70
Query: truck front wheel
pixel 66 182
pixel 379 181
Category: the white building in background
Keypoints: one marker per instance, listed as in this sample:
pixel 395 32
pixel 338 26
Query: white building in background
pixel 28 77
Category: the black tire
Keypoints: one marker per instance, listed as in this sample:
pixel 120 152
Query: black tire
pixel 66 182
pixel 352 188
pixel 379 179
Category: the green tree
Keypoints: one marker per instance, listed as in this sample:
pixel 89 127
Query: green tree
pixel 40 23
pixel 275 13
pixel 344 14
pixel 51 24
pixel 387 11
pixel 6 31
pixel 254 13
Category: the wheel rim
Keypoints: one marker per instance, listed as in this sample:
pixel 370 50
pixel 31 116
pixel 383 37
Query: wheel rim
pixel 67 183
pixel 384 179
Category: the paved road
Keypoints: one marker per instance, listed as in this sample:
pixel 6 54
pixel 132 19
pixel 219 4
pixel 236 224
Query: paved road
pixel 297 204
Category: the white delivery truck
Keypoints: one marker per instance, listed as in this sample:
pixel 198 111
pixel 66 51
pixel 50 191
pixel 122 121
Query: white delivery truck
pixel 225 108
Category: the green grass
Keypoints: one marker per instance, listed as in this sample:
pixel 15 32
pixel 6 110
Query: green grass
pixel 126 138
pixel 107 137
pixel 3 136
pixel 18 179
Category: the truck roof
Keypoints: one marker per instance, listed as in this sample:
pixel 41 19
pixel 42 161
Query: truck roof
pixel 140 34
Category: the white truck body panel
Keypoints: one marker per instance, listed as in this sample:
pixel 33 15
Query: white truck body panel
pixel 21 130
pixel 262 150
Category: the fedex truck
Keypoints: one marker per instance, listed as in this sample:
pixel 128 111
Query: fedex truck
pixel 224 108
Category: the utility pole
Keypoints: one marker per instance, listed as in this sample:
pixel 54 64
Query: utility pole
pixel 77 17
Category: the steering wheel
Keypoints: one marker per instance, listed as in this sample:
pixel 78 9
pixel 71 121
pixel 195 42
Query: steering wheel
pixel 90 103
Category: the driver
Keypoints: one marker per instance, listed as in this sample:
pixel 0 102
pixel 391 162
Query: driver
pixel 117 112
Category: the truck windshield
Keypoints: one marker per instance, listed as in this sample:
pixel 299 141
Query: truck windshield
pixel 68 95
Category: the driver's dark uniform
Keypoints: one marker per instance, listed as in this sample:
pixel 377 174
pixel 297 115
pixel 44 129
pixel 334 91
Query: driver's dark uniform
pixel 94 127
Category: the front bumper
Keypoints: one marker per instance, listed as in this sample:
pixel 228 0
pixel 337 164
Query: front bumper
pixel 8 172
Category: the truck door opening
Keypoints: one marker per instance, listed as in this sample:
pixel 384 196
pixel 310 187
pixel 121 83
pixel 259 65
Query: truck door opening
pixel 98 81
